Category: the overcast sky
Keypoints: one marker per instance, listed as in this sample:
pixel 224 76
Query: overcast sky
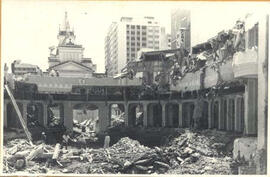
pixel 29 28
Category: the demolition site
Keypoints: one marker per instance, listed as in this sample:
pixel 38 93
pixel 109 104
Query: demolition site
pixel 171 111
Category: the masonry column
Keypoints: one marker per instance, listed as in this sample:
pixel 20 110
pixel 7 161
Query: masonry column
pixel 220 114
pixel 163 105
pixel 251 100
pixel 237 113
pixel 126 115
pixel 45 114
pixel 210 115
pixel 68 115
pixel 24 112
pixel 180 114
pixel 229 115
pixel 145 122
pixel 103 117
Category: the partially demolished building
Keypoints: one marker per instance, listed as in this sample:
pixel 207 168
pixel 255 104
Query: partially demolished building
pixel 221 85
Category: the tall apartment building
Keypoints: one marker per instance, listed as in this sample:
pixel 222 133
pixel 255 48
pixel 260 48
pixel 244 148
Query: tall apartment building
pixel 126 37
pixel 180 29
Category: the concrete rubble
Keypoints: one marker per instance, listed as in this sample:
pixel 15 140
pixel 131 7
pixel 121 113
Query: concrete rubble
pixel 188 152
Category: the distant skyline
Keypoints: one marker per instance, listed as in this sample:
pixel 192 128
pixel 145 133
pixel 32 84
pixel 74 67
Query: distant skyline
pixel 29 28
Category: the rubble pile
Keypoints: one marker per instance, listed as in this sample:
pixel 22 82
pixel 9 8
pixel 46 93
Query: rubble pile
pixel 202 152
pixel 126 156
pixel 213 53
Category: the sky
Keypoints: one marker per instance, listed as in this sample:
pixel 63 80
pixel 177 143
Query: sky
pixel 30 27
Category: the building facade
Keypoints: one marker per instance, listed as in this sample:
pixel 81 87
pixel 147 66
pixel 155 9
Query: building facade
pixel 126 37
pixel 180 29
pixel 67 58
pixel 19 68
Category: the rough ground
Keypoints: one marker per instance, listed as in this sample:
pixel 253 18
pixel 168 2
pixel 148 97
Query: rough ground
pixel 201 152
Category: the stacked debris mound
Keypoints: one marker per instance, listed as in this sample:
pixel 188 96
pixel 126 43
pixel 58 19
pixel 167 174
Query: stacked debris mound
pixel 204 152
pixel 19 155
pixel 132 157
pixel 201 152
pixel 126 156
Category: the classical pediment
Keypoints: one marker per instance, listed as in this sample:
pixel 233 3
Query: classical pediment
pixel 70 66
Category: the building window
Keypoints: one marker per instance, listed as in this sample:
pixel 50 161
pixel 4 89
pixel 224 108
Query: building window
pixel 138 26
pixel 138 32
pixel 132 27
pixel 127 26
pixel 138 48
pixel 150 30
pixel 143 39
pixel 127 31
pixel 132 32
pixel 143 44
pixel 132 49
pixel 127 43
pixel 132 43
pixel 143 27
pixel 138 38
pixel 132 38
pixel 138 44
pixel 133 55
pixel 143 33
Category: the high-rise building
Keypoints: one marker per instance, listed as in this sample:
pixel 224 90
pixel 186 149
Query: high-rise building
pixel 126 37
pixel 180 29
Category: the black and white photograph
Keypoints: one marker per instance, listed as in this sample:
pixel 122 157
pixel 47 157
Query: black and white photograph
pixel 134 87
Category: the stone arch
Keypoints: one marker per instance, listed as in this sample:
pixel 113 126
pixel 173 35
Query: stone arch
pixel 204 120
pixel 172 115
pixel 55 115
pixel 35 116
pixel 154 115
pixel 135 114
pixel 86 114
pixel 116 114
pixel 188 108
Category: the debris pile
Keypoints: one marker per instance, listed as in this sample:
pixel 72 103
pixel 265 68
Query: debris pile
pixel 188 153
pixel 213 53
pixel 204 152
pixel 117 121
pixel 83 132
